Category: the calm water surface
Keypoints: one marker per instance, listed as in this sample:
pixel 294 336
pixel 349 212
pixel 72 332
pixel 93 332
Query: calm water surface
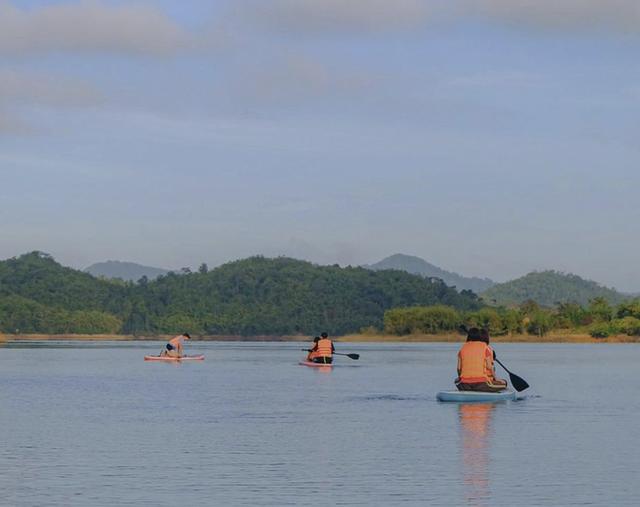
pixel 92 424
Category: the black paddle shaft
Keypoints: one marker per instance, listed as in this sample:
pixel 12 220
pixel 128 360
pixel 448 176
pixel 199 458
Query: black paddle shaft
pixel 355 357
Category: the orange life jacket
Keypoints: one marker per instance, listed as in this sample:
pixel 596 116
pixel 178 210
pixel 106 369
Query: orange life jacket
pixel 324 348
pixel 473 362
pixel 312 353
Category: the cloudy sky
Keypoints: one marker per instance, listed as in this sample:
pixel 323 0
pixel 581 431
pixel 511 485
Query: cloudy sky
pixel 488 137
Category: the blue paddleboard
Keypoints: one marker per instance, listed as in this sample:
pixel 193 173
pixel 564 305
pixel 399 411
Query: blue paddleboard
pixel 467 396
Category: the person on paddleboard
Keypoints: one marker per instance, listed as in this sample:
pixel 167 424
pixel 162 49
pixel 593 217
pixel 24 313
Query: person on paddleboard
pixel 174 347
pixel 475 365
pixel 311 355
pixel 322 350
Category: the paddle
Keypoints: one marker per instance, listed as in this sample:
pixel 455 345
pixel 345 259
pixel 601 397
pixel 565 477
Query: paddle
pixel 355 357
pixel 350 356
pixel 518 383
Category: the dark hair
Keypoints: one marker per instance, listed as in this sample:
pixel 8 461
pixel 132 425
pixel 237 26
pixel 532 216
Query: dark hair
pixel 324 335
pixel 187 335
pixel 316 339
pixel 484 336
pixel 473 335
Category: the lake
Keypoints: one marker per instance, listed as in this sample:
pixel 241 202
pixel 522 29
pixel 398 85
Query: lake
pixel 92 424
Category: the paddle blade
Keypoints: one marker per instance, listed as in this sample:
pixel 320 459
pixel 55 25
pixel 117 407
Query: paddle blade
pixel 354 356
pixel 518 383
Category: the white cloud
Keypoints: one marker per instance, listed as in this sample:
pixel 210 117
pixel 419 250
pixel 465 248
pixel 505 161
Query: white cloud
pixel 621 16
pixel 281 80
pixel 21 88
pixel 344 15
pixel 90 26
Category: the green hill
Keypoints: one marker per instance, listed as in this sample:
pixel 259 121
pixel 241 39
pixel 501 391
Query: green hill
pixel 548 288
pixel 418 266
pixel 247 297
pixel 37 276
pixel 287 296
pixel 38 295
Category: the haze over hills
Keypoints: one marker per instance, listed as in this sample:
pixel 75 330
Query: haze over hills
pixel 548 288
pixel 418 266
pixel 128 271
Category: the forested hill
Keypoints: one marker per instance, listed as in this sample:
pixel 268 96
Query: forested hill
pixel 38 277
pixel 548 288
pixel 418 266
pixel 247 297
pixel 286 296
pixel 128 271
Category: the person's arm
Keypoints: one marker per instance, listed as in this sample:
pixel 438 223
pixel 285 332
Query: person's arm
pixel 314 347
pixel 459 366
pixel 489 364
pixel 333 349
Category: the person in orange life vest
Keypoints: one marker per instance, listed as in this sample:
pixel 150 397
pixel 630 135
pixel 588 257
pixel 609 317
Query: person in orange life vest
pixel 174 347
pixel 475 366
pixel 484 336
pixel 311 355
pixel 323 350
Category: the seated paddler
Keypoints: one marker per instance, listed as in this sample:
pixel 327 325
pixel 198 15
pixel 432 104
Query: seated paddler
pixel 322 351
pixel 475 365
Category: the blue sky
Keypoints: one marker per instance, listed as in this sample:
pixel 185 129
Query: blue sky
pixel 488 137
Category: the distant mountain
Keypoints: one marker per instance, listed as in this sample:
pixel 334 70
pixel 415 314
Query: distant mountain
pixel 417 266
pixel 548 288
pixel 126 270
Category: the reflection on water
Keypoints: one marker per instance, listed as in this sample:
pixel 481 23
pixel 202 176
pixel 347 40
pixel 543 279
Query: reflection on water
pixel 475 428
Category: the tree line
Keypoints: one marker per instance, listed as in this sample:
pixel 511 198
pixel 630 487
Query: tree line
pixel 599 318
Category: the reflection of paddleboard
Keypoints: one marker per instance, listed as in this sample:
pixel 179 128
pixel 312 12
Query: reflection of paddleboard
pixel 467 396
pixel 174 359
pixel 315 365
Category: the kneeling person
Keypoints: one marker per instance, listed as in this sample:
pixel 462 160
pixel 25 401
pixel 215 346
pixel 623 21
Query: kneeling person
pixel 475 366
pixel 174 347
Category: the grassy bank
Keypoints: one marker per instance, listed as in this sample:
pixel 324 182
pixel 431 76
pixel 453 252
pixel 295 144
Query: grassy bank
pixel 375 338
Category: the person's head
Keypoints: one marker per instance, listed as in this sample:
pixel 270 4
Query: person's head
pixel 484 336
pixel 324 335
pixel 473 335
pixel 316 339
pixel 187 336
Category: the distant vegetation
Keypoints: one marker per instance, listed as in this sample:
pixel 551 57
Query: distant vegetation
pixel 260 296
pixel 248 297
pixel 126 271
pixel 418 266
pixel 599 319
pixel 550 289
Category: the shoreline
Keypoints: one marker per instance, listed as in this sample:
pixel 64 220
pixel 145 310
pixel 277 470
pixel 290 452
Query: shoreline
pixel 374 338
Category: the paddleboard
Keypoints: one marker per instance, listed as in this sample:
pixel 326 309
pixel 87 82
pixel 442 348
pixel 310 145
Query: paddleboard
pixel 470 396
pixel 315 365
pixel 174 359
